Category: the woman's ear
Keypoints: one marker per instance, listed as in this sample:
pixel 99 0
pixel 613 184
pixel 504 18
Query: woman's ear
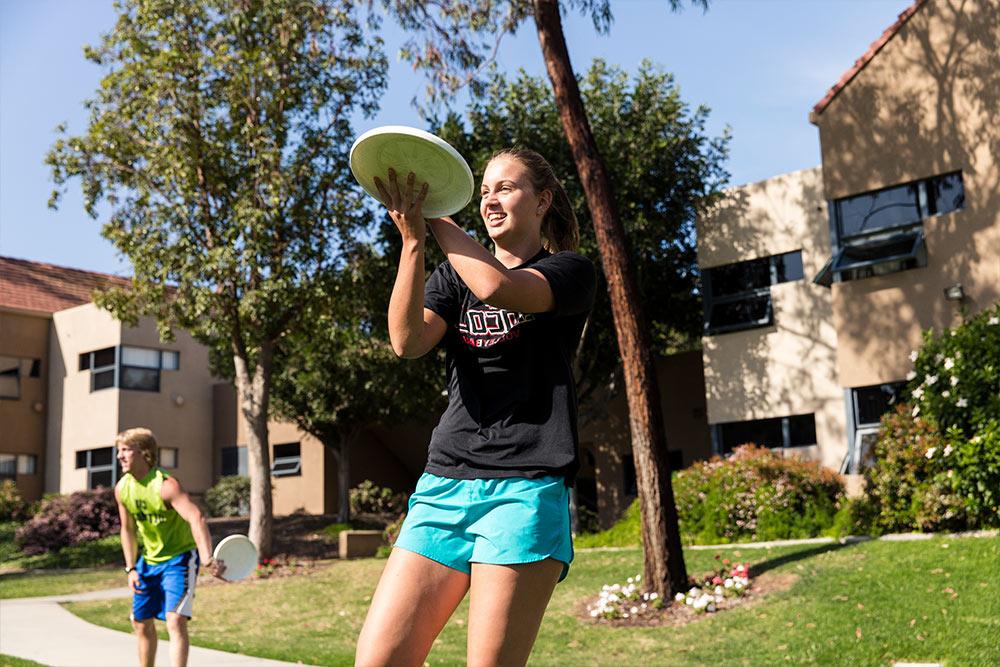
pixel 544 201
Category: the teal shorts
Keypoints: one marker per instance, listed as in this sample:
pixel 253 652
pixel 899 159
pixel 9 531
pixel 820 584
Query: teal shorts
pixel 509 521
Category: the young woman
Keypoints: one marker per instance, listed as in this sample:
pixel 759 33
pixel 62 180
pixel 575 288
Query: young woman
pixel 490 514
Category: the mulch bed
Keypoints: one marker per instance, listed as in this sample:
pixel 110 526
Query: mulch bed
pixel 676 614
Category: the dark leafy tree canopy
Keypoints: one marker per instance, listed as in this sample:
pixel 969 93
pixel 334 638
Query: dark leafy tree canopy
pixel 663 166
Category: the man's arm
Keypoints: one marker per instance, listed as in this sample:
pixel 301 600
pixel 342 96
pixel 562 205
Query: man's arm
pixel 176 497
pixel 130 545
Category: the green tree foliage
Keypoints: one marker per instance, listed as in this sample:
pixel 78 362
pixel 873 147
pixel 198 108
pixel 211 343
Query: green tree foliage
pixel 218 138
pixel 665 167
pixel 338 371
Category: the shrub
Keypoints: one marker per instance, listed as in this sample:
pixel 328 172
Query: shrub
pixel 956 378
pixel 229 497
pixel 12 506
pixel 925 480
pixel 368 498
pixel 753 495
pixel 69 520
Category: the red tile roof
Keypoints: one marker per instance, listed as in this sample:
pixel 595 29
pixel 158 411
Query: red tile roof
pixel 860 63
pixel 47 288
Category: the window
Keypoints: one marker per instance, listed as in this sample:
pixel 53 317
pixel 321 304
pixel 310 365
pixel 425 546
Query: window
pixel 8 467
pixel 102 468
pixel 128 367
pixel 871 402
pixel 881 232
pixel 27 464
pixel 774 432
pixel 10 377
pixel 738 296
pixel 234 461
pixel 168 457
pixel 287 460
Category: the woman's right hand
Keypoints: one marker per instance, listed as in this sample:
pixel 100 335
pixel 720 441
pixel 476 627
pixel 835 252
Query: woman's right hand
pixel 405 208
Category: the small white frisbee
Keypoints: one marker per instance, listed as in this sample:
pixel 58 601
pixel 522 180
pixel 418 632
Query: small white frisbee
pixel 432 159
pixel 240 556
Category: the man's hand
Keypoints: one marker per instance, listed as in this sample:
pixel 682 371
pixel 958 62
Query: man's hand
pixel 133 581
pixel 215 567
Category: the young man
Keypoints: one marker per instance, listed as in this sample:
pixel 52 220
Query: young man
pixel 175 539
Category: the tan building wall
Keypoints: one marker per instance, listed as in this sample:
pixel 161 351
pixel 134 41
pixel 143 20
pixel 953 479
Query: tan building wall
pixel 788 368
pixel 925 105
pixel 605 435
pixel 25 336
pixel 79 419
pixel 180 414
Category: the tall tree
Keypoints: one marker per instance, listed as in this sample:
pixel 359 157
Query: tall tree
pixel 666 168
pixel 458 39
pixel 219 139
pixel 339 373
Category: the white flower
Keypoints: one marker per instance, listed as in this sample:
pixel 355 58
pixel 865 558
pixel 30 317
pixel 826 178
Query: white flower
pixel 947 450
pixel 994 320
pixel 718 590
pixel 962 403
pixel 634 610
pixel 918 393
pixel 638 577
pixel 688 600
pixel 938 358
pixel 710 608
pixel 930 452
pixel 653 595
pixel 945 394
pixel 728 583
pixel 949 364
pixel 911 375
pixel 954 380
pixel 630 580
pixel 913 355
pixel 915 411
pixel 931 379
pixel 594 613
pixel 679 597
pixel 738 585
pixel 950 473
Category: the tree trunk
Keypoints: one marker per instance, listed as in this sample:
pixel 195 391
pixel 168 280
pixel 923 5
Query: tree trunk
pixel 664 570
pixel 254 396
pixel 343 453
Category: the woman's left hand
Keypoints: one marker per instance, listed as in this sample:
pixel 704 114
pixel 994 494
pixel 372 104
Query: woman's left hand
pixel 405 207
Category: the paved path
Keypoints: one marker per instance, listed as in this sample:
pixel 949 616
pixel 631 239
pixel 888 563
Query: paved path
pixel 40 629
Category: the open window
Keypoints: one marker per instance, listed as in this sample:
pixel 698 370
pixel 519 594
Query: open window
pixel 287 460
pixel 738 296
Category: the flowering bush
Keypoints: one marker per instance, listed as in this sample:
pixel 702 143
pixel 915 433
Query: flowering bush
pixel 12 506
pixel 755 495
pixel 369 498
pixel 730 580
pixel 63 521
pixel 956 376
pixel 925 480
pixel 624 601
pixel 265 568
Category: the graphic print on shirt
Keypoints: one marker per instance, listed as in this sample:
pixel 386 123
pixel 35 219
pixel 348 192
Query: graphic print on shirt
pixel 484 326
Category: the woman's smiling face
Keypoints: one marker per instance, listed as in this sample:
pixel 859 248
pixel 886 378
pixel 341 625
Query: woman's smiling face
pixel 509 203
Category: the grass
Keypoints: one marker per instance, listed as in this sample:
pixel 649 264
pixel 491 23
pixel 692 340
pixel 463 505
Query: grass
pixel 36 584
pixel 868 603
pixel 11 661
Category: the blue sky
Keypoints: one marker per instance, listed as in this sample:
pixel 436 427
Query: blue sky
pixel 759 65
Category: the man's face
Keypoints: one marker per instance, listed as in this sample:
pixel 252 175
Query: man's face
pixel 130 458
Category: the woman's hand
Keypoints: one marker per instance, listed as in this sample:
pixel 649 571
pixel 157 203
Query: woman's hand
pixel 405 209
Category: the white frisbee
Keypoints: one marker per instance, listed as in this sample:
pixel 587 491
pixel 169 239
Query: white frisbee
pixel 240 556
pixel 432 159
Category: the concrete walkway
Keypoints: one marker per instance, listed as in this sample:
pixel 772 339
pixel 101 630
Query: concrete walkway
pixel 40 629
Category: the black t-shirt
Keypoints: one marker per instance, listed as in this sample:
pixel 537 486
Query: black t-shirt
pixel 511 396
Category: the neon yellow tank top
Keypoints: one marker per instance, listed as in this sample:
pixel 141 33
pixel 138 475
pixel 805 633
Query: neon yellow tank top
pixel 163 531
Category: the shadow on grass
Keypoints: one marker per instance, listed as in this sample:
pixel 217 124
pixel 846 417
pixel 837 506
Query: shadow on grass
pixel 760 568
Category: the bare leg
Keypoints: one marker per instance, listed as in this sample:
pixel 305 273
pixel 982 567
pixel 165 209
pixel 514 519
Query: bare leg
pixel 179 642
pixel 414 599
pixel 146 632
pixel 506 608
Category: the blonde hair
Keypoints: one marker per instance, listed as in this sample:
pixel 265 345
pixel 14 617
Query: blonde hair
pixel 560 230
pixel 141 439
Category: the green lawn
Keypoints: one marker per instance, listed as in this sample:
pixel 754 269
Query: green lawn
pixel 11 661
pixel 36 584
pixel 869 603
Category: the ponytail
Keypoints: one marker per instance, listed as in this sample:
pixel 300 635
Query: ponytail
pixel 560 230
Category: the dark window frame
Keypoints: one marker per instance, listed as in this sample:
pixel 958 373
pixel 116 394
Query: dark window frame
pixel 783 425
pixel 119 368
pixel 786 272
pixel 926 204
pixel 14 372
pixel 88 464
pixel 286 464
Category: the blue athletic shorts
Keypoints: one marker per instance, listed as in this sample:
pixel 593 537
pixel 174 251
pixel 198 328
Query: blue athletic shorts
pixel 457 522
pixel 167 586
